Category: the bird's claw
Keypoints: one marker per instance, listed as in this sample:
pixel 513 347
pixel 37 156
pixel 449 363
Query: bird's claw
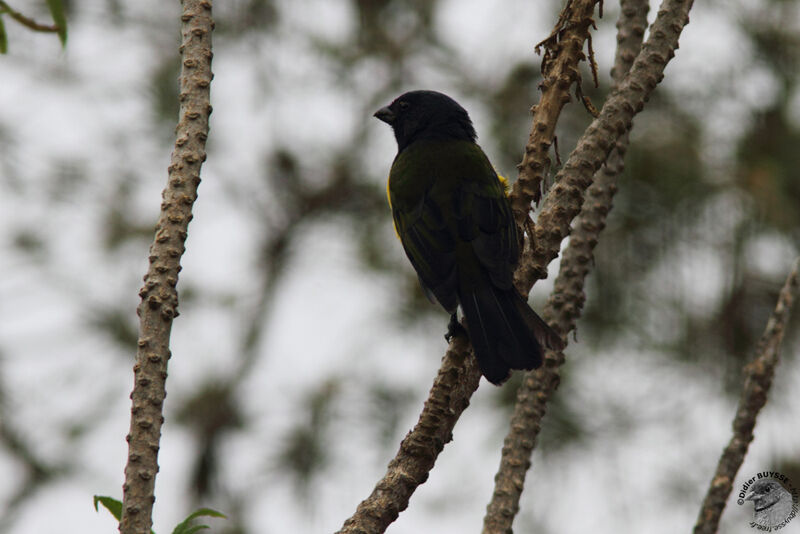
pixel 454 328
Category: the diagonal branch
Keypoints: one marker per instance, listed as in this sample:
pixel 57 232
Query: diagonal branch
pixel 566 301
pixel 159 305
pixel 559 70
pixel 455 383
pixel 757 382
pixel 459 375
pixel 564 201
pixel 561 205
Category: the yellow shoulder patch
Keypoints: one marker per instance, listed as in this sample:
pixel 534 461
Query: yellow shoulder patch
pixel 504 181
pixel 389 199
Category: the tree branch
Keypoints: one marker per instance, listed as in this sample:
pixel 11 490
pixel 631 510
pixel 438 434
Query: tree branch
pixel 455 383
pixel 564 201
pixel 561 205
pixel 27 21
pixel 566 301
pixel 459 375
pixel 757 382
pixel 560 70
pixel 159 301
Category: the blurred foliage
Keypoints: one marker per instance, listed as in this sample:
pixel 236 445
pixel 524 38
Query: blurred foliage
pixel 304 454
pixel 164 86
pixel 238 17
pixel 210 413
pixel 387 406
pixel 119 325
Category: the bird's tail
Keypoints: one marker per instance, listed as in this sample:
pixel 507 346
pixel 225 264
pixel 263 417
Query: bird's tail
pixel 505 332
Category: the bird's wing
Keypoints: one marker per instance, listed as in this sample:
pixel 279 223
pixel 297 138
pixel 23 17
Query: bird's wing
pixel 447 200
pixel 486 222
pixel 430 246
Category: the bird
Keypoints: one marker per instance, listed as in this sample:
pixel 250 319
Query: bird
pixel 772 503
pixel 452 214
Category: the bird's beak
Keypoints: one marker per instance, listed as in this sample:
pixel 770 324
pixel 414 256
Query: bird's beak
pixel 385 114
pixel 750 497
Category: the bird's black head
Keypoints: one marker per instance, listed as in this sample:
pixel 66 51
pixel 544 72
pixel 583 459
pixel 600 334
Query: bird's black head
pixel 426 115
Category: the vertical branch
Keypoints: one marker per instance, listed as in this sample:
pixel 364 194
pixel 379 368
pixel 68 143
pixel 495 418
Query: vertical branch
pixel 757 382
pixel 159 304
pixel 566 302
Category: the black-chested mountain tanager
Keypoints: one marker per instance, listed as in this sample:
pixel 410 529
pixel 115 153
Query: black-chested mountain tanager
pixel 453 217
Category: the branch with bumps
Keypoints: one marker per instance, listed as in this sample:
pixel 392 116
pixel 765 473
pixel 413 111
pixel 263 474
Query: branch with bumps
pixel 159 297
pixel 412 463
pixel 758 376
pixel 563 52
pixel 565 199
pixel 459 375
pixel 455 383
pixel 566 301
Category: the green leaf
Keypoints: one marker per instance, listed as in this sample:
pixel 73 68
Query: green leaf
pixel 57 12
pixel 3 37
pixel 184 527
pixel 208 512
pixel 111 504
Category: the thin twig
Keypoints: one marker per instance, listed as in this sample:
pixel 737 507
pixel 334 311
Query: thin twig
pixel 757 382
pixel 566 301
pixel 159 304
pixel 27 21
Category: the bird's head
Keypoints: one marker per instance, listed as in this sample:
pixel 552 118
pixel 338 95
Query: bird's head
pixel 765 493
pixel 420 115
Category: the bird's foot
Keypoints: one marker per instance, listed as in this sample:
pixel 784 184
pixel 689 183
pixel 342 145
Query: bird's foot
pixel 454 328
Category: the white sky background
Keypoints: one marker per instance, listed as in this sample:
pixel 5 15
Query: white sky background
pixel 97 110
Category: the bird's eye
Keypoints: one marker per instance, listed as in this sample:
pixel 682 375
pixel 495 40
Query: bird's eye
pixel 403 105
pixel 767 489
